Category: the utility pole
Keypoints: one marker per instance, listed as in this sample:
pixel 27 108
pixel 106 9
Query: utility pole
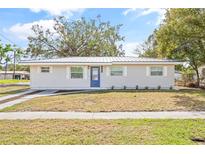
pixel 14 71
pixel 5 69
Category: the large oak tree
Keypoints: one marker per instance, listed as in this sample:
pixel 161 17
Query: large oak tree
pixel 181 36
pixel 76 38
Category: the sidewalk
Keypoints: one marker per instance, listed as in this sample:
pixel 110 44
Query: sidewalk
pixel 101 115
pixel 25 98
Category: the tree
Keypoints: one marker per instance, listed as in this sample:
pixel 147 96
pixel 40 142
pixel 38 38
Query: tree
pixel 5 57
pixel 18 67
pixel 8 53
pixel 17 54
pixel 147 48
pixel 4 52
pixel 182 36
pixel 76 38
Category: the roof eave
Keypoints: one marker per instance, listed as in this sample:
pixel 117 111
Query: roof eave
pixel 103 63
pixel 151 62
pixel 61 63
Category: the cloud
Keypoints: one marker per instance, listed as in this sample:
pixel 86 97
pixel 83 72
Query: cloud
pixel 22 31
pixel 58 11
pixel 144 12
pixel 130 47
pixel 127 11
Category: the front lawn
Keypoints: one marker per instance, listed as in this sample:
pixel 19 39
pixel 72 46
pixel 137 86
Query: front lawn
pixel 11 81
pixel 101 101
pixel 12 90
pixel 101 131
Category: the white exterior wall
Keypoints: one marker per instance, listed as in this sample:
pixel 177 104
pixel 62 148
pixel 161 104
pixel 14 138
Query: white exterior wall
pixel 138 75
pixel 56 79
pixel 134 75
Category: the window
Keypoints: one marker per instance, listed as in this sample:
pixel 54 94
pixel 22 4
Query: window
pixel 76 72
pixel 116 71
pixel 95 75
pixel 156 71
pixel 45 69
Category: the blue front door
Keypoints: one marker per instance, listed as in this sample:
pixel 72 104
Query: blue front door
pixel 95 76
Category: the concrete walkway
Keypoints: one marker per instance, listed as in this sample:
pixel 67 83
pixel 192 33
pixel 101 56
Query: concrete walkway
pixel 16 95
pixel 26 98
pixel 101 115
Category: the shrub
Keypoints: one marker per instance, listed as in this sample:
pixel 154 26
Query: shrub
pixel 159 87
pixel 137 87
pixel 202 87
pixel 187 76
pixel 112 87
pixel 146 87
pixel 170 87
pixel 191 84
pixel 124 87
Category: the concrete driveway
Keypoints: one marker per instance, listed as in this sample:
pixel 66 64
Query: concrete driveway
pixel 25 98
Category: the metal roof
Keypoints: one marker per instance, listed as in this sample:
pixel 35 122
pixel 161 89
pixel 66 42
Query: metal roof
pixel 111 60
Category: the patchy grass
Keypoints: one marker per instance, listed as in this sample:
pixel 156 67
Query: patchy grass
pixel 101 131
pixel 12 81
pixel 102 101
pixel 12 90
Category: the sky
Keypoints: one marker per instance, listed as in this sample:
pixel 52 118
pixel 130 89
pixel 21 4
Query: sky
pixel 138 24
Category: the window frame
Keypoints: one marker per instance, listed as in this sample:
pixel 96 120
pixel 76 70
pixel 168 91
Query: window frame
pixel 157 71
pixel 49 69
pixel 111 70
pixel 76 72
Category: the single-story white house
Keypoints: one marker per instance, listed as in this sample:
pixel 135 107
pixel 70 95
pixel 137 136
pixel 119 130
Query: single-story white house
pixel 101 73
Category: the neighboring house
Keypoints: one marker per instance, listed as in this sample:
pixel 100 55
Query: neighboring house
pixel 101 73
pixel 178 75
pixel 202 71
pixel 18 75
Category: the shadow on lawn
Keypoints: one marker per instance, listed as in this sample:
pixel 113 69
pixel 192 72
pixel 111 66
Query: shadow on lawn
pixel 190 103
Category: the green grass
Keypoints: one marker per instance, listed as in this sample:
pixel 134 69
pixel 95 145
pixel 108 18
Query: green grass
pixel 129 100
pixel 144 131
pixel 12 90
pixel 11 81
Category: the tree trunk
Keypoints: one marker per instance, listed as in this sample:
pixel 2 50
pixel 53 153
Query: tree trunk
pixel 195 67
pixel 198 78
pixel 14 71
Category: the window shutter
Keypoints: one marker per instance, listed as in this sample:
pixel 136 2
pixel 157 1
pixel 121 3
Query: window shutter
pixel 85 72
pixel 108 71
pixel 165 71
pixel 68 72
pixel 147 71
pixel 125 71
